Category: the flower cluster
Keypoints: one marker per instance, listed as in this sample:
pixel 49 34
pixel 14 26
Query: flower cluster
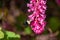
pixel 38 8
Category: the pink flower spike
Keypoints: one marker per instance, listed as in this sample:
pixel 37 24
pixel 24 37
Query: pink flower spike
pixel 37 8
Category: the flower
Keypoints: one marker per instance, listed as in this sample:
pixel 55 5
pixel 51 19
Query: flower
pixel 58 2
pixel 37 7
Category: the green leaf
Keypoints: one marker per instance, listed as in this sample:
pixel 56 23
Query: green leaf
pixel 12 34
pixel 28 30
pixel 13 39
pixel 17 36
pixel 1 35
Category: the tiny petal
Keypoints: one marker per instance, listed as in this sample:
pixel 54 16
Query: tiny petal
pixel 44 7
pixel 31 1
pixel 28 4
pixel 31 17
pixel 29 10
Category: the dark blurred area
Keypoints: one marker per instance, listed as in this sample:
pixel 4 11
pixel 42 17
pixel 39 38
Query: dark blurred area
pixel 14 16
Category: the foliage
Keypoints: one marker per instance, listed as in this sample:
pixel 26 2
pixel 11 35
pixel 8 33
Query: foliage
pixel 12 35
pixel 1 35
pixel 54 23
pixel 28 30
